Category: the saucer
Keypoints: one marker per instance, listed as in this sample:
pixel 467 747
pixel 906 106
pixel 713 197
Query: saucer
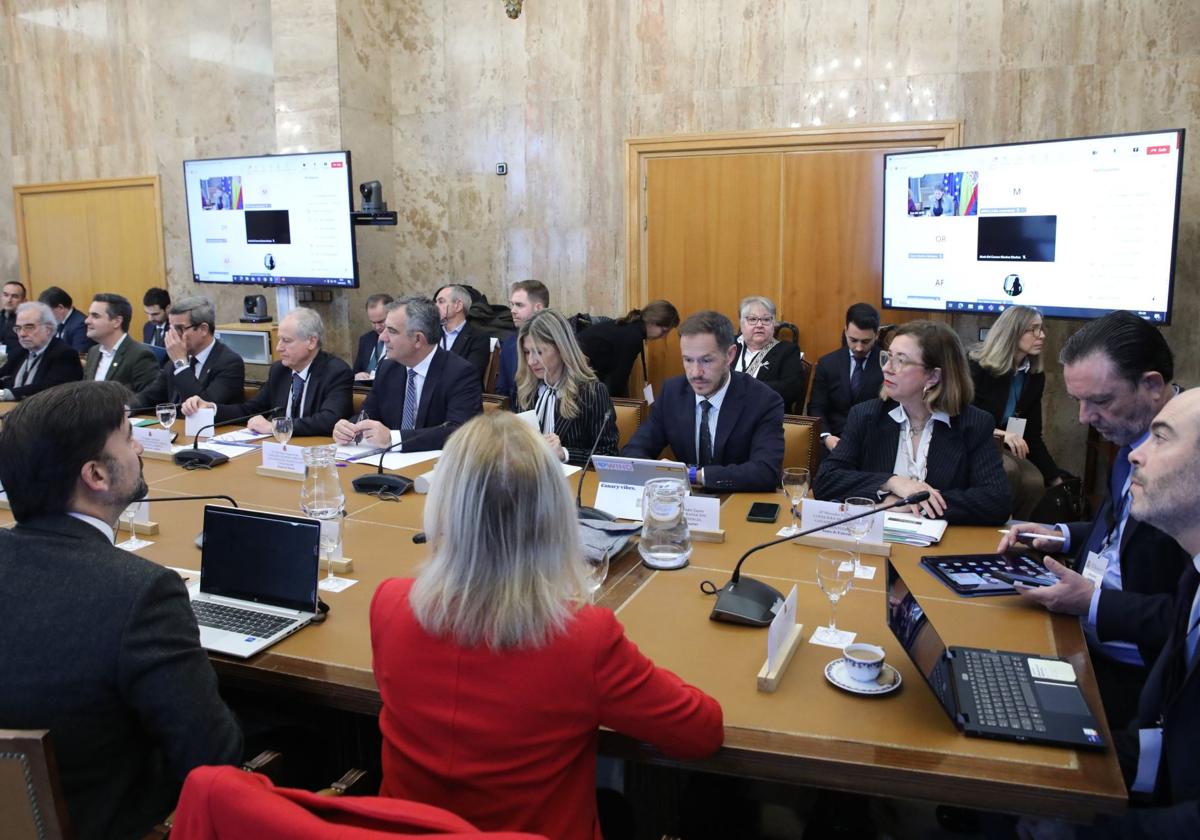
pixel 887 681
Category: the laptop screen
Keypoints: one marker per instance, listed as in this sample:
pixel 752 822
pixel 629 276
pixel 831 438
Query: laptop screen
pixel 266 558
pixel 914 631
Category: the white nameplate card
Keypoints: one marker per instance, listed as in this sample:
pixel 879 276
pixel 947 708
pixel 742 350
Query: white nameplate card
pixel 141 512
pixel 280 456
pixel 781 626
pixel 814 514
pixel 703 512
pixel 1016 426
pixel 203 417
pixel 153 440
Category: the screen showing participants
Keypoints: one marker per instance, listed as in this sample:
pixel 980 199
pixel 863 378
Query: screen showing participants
pixel 939 194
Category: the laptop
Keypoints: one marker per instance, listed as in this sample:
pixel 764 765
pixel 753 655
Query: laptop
pixel 989 693
pixel 258 579
pixel 621 481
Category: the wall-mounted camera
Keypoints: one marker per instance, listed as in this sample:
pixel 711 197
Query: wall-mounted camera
pixel 374 208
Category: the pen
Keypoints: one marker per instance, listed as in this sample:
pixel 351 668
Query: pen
pixel 1033 536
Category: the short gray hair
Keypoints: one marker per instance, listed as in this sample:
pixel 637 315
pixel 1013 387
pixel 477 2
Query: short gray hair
pixel 756 300
pixel 460 294
pixel 308 324
pixel 45 313
pixel 422 316
pixel 199 309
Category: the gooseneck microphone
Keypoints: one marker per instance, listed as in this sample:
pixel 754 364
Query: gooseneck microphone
pixel 197 458
pixel 750 601
pixel 229 499
pixel 591 512
pixel 380 482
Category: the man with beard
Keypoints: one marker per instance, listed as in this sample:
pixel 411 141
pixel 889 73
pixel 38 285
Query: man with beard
pixel 101 647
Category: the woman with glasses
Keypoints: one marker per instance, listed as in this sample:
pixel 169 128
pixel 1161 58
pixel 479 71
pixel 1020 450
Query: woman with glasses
pixel 922 434
pixel 613 346
pixel 495 673
pixel 777 364
pixel 1007 373
pixel 572 406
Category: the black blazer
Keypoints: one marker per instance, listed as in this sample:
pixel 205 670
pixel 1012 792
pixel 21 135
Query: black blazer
pixel 506 377
pixel 8 330
pixel 611 349
pixel 991 394
pixel 102 649
pixel 782 371
pixel 74 332
pixel 134 365
pixel 474 346
pixel 748 448
pixel 221 380
pixel 831 399
pixel 578 433
pixel 59 364
pixel 451 395
pixel 327 399
pixel 366 346
pixel 963 465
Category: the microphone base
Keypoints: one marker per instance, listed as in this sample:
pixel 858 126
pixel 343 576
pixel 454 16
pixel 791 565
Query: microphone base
pixel 596 513
pixel 747 601
pixel 199 458
pixel 394 484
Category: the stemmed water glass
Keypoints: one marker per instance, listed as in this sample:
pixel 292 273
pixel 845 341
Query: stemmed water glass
pixel 795 487
pixel 130 514
pixel 835 573
pixel 858 527
pixel 597 573
pixel 166 414
pixel 282 427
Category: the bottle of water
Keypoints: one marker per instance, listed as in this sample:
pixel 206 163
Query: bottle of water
pixel 666 541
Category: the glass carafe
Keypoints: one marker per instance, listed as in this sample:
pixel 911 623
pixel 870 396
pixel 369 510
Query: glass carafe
pixel 321 498
pixel 666 541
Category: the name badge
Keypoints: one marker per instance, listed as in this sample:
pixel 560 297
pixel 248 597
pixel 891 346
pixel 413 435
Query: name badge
pixel 1095 568
pixel 279 456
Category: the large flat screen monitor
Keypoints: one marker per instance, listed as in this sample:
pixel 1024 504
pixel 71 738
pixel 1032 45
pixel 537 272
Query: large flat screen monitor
pixel 276 220
pixel 1075 227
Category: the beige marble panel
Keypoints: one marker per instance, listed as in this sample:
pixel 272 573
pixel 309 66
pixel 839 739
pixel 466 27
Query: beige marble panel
pixel 661 114
pixel 913 38
pixel 422 260
pixel 363 31
pixel 560 55
pixel 826 40
pixel 914 98
pixel 416 50
pixel 485 55
pixel 979 34
pixel 740 109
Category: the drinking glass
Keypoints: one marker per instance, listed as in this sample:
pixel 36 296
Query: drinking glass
pixel 597 573
pixel 322 498
pixel 129 515
pixel 282 427
pixel 166 414
pixel 859 527
pixel 795 487
pixel 835 573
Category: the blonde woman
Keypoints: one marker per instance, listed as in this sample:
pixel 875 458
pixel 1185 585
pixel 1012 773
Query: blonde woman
pixel 553 380
pixel 1009 382
pixel 495 678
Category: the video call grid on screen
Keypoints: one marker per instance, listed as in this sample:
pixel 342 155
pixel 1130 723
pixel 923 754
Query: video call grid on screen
pixel 272 220
pixel 1075 227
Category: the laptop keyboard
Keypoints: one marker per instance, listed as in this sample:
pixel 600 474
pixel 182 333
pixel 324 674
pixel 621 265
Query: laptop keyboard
pixel 1003 691
pixel 236 620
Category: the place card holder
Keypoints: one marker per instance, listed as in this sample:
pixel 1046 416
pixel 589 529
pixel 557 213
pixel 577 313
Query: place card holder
pixel 768 679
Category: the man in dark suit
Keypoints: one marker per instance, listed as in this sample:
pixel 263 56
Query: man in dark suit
pixel 155 304
pixel 12 295
pixel 1123 574
pixel 847 376
pixel 312 387
pixel 115 357
pixel 101 646
pixel 371 349
pixel 71 327
pixel 727 426
pixel 41 361
pixel 197 364
pixel 422 393
pixel 458 336
pixel 526 298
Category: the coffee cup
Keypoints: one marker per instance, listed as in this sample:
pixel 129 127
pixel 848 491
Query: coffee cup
pixel 863 662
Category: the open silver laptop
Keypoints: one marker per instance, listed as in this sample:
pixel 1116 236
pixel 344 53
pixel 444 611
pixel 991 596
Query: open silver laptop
pixel 258 579
pixel 621 481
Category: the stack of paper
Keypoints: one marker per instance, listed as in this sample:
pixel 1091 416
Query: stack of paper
pixel 912 530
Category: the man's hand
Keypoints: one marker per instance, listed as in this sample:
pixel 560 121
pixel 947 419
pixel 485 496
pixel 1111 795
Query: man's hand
pixel 1010 539
pixel 1072 595
pixel 260 425
pixel 193 404
pixel 830 441
pixel 363 376
pixel 1016 445
pixel 933 507
pixel 373 432
pixel 175 346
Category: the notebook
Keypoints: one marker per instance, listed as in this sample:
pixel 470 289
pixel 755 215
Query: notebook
pixel 988 693
pixel 258 579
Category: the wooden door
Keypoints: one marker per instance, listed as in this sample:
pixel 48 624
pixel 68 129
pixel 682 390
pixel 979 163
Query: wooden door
pixel 92 236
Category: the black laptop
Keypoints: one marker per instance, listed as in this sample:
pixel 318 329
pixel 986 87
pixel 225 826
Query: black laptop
pixel 991 693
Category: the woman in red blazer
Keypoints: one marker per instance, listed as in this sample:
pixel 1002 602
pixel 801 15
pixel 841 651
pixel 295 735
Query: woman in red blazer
pixel 495 675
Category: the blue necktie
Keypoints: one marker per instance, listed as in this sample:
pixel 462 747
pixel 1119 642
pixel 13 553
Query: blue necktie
pixel 856 377
pixel 408 420
pixel 297 395
pixel 706 448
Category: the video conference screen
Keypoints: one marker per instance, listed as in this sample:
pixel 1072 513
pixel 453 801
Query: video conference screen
pixel 277 220
pixel 1075 227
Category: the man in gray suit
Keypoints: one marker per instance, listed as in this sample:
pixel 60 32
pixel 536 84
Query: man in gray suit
pixel 115 357
pixel 100 646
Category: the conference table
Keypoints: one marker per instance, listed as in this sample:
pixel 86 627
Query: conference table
pixel 808 732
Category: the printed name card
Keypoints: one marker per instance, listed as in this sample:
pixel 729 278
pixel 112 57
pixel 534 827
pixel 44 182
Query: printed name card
pixel 703 512
pixel 153 440
pixel 814 514
pixel 203 417
pixel 781 627
pixel 141 512
pixel 280 456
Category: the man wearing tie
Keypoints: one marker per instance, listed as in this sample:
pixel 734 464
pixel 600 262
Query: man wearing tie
pixel 726 426
pixel 116 357
pixel 1123 573
pixel 371 349
pixel 458 336
pixel 70 322
pixel 197 365
pixel 41 361
pixel 12 295
pixel 423 393
pixel 155 304
pixel 307 384
pixel 847 376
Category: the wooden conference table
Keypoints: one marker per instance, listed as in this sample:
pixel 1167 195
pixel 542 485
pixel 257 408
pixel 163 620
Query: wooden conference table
pixel 808 732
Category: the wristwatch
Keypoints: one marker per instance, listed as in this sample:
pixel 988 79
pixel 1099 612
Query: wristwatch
pixel 180 364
